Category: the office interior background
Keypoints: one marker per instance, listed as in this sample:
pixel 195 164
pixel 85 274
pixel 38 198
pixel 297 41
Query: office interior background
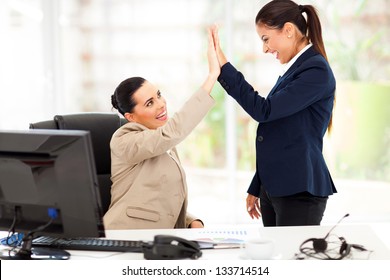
pixel 67 56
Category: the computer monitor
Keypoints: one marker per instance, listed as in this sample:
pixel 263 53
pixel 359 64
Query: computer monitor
pixel 48 186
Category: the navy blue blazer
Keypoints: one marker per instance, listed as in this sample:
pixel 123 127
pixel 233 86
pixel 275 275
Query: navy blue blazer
pixel 292 121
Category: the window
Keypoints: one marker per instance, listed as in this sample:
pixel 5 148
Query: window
pixel 68 56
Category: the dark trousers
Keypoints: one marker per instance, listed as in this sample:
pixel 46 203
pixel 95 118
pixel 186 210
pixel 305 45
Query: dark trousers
pixel 300 209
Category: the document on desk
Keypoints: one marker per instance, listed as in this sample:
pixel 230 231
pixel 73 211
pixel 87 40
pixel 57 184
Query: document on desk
pixel 223 238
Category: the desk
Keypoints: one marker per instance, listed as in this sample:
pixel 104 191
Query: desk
pixel 110 265
pixel 287 240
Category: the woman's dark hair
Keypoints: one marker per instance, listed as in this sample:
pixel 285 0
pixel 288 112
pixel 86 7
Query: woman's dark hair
pixel 277 12
pixel 122 99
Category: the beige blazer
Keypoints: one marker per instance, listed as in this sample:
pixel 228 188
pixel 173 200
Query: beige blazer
pixel 149 188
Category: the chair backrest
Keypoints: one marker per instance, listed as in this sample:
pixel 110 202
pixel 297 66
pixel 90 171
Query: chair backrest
pixel 51 124
pixel 101 127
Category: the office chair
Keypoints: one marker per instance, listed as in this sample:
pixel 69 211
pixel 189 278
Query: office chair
pixel 51 124
pixel 101 127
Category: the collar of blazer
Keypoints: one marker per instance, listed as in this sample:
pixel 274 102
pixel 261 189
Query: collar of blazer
pixel 130 127
pixel 306 55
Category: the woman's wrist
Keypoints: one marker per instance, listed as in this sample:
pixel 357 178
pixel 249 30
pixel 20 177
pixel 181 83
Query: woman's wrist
pixel 213 75
pixel 208 84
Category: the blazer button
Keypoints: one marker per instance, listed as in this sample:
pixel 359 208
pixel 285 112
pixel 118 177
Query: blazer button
pixel 260 138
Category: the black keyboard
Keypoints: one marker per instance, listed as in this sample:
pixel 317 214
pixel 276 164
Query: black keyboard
pixel 89 244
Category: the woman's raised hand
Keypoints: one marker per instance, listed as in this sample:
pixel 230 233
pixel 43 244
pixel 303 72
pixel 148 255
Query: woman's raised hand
pixel 214 66
pixel 220 55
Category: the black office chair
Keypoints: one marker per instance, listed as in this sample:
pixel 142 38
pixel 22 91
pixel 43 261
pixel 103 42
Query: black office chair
pixel 101 127
pixel 51 124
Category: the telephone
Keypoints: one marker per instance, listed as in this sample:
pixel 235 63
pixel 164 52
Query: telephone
pixel 168 247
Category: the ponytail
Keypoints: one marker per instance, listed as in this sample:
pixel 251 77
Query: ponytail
pixel 314 30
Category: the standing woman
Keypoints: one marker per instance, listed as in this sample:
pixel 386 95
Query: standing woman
pixel 291 179
pixel 149 188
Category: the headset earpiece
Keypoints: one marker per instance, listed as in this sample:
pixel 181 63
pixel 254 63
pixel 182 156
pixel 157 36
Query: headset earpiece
pixel 320 245
pixel 343 246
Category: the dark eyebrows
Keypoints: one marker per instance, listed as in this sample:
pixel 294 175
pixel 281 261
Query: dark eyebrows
pixel 147 101
pixel 151 98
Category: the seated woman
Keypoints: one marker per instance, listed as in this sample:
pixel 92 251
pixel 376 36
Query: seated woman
pixel 149 187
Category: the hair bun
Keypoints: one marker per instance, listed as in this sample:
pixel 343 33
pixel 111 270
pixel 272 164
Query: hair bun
pixel 114 101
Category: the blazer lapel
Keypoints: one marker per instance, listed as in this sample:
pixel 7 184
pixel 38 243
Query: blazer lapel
pixel 307 54
pixel 275 86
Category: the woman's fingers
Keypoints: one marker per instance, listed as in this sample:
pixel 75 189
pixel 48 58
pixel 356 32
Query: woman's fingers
pixel 253 206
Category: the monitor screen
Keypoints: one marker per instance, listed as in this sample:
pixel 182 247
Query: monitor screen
pixel 49 175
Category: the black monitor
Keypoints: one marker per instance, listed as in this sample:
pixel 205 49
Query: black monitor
pixel 48 186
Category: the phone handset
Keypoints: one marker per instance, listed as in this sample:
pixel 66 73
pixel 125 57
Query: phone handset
pixel 166 247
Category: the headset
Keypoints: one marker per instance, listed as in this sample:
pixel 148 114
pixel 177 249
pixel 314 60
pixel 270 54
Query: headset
pixel 319 249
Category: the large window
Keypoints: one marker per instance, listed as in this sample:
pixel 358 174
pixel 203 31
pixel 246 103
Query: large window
pixel 65 56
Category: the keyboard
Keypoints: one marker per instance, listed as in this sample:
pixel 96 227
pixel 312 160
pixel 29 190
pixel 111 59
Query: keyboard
pixel 89 244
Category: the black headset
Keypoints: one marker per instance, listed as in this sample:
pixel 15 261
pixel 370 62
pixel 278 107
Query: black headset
pixel 319 248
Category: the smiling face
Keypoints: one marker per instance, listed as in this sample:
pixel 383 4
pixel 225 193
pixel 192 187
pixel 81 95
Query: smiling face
pixel 279 42
pixel 150 109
